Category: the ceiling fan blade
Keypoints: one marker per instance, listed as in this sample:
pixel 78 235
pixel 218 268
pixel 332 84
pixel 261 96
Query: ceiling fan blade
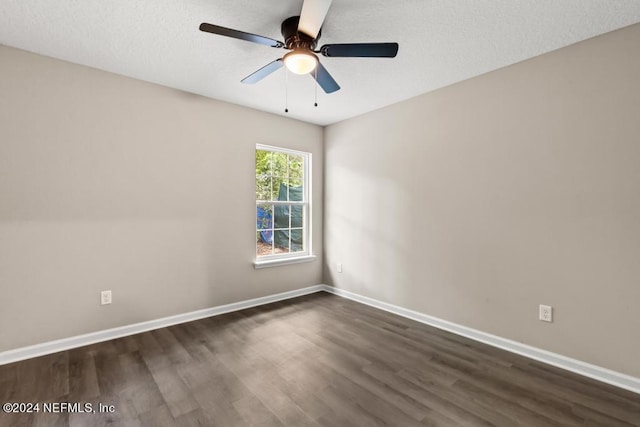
pixel 312 16
pixel 263 72
pixel 361 50
pixel 228 32
pixel 324 79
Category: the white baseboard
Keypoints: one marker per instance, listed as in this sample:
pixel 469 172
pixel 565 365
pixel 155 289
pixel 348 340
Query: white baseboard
pixel 586 369
pixel 22 353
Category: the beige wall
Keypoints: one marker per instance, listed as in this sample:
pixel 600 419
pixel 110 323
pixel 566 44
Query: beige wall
pixel 474 203
pixel 111 183
pixel 479 201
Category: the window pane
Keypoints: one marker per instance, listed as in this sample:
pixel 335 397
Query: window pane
pixel 292 191
pixel 281 241
pixel 296 166
pixel 264 217
pixel 263 162
pixel 297 243
pixel 262 247
pixel 279 164
pixel 296 216
pixel 263 187
pixel 279 188
pixel 281 216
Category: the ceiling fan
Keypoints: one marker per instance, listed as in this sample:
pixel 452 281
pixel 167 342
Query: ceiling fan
pixel 301 35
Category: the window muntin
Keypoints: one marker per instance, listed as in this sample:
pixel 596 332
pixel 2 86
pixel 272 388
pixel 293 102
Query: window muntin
pixel 282 203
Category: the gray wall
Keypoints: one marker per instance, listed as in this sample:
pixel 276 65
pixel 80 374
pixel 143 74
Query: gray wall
pixel 111 183
pixel 479 201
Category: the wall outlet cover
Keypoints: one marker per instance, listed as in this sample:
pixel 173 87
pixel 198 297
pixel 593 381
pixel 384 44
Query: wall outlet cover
pixel 546 313
pixel 105 297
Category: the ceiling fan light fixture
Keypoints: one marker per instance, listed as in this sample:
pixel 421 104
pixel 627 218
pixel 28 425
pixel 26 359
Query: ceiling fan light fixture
pixel 300 61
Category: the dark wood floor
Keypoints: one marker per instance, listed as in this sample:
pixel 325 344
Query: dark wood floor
pixel 314 360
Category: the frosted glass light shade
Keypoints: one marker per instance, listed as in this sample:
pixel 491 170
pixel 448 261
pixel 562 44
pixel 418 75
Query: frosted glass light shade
pixel 300 61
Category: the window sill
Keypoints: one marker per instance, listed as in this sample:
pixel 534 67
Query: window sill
pixel 284 261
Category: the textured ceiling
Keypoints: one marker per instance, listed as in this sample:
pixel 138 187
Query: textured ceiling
pixel 441 42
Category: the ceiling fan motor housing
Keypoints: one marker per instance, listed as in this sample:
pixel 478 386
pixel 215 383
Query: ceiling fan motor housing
pixel 293 38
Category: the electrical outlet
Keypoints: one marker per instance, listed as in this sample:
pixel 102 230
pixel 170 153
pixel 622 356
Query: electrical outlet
pixel 105 297
pixel 339 268
pixel 546 313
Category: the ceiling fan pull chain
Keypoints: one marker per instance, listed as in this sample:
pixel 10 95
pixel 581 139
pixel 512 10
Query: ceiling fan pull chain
pixel 315 87
pixel 286 90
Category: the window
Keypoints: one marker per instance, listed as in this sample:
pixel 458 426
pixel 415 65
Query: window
pixel 283 215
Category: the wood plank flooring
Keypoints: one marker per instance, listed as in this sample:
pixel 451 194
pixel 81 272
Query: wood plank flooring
pixel 310 361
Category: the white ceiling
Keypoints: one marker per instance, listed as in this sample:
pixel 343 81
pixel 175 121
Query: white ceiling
pixel 441 42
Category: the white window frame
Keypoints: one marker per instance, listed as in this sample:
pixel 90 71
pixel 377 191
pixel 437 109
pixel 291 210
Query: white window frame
pixel 295 257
